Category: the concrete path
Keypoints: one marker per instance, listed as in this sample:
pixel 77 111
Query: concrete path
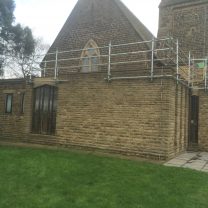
pixel 193 160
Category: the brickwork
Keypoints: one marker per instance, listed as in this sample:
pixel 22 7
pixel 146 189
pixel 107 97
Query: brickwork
pixel 179 105
pixel 187 22
pixel 15 124
pixel 102 21
pixel 139 116
pixel 127 116
pixel 203 121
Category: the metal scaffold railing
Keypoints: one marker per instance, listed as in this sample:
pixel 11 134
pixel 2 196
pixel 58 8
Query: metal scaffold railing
pixel 198 69
pixel 151 59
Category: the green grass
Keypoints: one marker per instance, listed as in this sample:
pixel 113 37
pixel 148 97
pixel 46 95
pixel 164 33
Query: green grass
pixel 31 178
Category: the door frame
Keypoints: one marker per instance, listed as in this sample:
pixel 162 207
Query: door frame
pixel 44 120
pixel 193 136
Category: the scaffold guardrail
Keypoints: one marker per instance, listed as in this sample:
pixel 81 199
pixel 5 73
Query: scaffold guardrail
pixel 165 51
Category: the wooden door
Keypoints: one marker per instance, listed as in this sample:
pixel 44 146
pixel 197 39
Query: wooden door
pixel 44 110
pixel 194 119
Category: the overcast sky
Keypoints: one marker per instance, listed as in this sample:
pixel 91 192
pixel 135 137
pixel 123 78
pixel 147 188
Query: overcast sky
pixel 46 17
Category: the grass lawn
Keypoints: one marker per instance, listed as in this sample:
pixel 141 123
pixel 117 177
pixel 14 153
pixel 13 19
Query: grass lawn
pixel 31 178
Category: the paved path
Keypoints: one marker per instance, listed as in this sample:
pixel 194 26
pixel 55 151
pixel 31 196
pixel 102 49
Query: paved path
pixel 193 160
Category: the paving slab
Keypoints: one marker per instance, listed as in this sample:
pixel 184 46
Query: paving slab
pixel 193 160
pixel 195 164
pixel 186 156
pixel 197 161
pixel 177 162
pixel 203 156
pixel 203 153
pixel 206 167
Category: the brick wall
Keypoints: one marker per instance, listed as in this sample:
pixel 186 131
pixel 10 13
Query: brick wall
pixel 130 116
pixel 138 117
pixel 187 22
pixel 179 108
pixel 203 120
pixel 102 21
pixel 16 124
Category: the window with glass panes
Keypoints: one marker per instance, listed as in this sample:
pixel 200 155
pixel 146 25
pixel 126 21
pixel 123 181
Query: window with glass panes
pixel 90 57
pixel 8 103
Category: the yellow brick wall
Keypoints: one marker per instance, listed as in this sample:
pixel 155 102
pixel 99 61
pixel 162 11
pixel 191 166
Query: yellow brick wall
pixel 16 124
pixel 130 116
pixel 138 117
pixel 203 120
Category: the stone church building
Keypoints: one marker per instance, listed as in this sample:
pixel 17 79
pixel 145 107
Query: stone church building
pixel 107 83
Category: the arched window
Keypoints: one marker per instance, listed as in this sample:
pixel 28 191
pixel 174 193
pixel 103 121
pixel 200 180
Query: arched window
pixel 90 57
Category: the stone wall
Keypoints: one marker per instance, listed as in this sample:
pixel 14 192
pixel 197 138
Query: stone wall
pixel 136 117
pixel 101 21
pixel 16 124
pixel 179 109
pixel 203 120
pixel 129 116
pixel 187 22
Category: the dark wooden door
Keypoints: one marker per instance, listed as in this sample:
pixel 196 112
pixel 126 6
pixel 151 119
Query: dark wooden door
pixel 44 110
pixel 194 119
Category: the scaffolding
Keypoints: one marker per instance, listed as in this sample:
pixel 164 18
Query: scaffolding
pixel 198 73
pixel 156 58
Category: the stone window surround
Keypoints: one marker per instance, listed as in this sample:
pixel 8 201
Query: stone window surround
pixel 90 57
pixel 8 103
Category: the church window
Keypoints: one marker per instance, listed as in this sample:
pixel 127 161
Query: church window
pixel 90 57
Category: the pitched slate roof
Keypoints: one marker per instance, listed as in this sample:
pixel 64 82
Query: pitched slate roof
pixel 174 2
pixel 141 29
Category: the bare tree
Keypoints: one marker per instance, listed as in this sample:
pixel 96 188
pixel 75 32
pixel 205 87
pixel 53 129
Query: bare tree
pixel 19 50
pixel 23 65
